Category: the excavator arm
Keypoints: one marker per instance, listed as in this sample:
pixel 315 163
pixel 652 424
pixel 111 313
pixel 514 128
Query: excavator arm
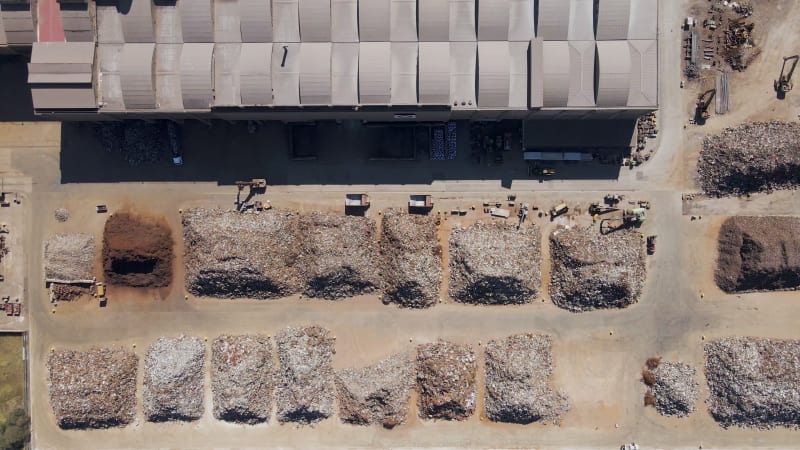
pixel 703 102
pixel 784 83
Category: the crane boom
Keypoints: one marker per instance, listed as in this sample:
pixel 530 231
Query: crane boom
pixel 784 83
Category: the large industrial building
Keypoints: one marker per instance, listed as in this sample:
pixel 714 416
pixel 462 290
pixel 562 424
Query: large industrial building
pixel 377 60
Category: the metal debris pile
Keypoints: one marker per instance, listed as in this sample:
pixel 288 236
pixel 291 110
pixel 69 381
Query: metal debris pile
pixel 138 142
pixel 752 157
pixel 61 214
pixel 411 259
pixel 68 292
pixel 173 379
pixel 377 394
pixel 672 386
pixel 69 258
pixel 305 388
pixel 518 371
pixel 596 271
pixel 495 264
pixel 754 382
pixel 94 388
pixel 339 255
pixel 234 255
pixel 446 380
pixel 242 378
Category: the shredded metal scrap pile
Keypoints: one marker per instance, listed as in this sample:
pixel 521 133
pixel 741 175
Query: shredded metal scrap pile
pixel 235 255
pixel 376 394
pixel 595 271
pixel 518 371
pixel 69 257
pixel 305 390
pixel 242 378
pixel 411 259
pixel 339 255
pixel 675 388
pixel 94 388
pixel 446 381
pixel 752 157
pixel 173 379
pixel 495 264
pixel 754 382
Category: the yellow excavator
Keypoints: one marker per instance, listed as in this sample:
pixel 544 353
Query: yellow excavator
pixel 784 83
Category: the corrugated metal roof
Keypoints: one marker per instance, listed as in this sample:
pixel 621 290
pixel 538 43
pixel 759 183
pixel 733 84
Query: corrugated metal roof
pixel 168 23
pixel 536 73
pixel 613 86
pixel 196 20
pixel 285 21
pixel 196 84
pixel 63 98
pixel 582 63
pixel 434 20
pixel 463 63
pixel 169 95
pixel 63 53
pixel 18 23
pixel 344 74
pixel 108 80
pixel 137 22
pixel 462 20
pixel 518 74
pixel 286 74
pixel 556 73
pixel 109 25
pixel 315 20
pixel 374 73
pixel 554 19
pixel 344 20
pixel 404 73
pixel 227 21
pixel 434 73
pixel 613 19
pixel 493 20
pixel 493 74
pixel 136 75
pixel 644 73
pixel 315 73
pixel 255 78
pixel 521 19
pixel 644 20
pixel 404 21
pixel 374 20
pixel 3 40
pixel 581 20
pixel 256 20
pixel 76 22
pixel 226 74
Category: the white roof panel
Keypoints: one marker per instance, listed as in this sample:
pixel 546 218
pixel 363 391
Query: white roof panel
pixel 344 74
pixel 434 20
pixel 493 20
pixel 644 73
pixel 374 73
pixel 196 20
pixel 137 22
pixel 581 80
pixel 168 23
pixel 581 20
pixel 344 20
pixel 168 77
pixel 404 20
pixel 226 74
pixel 196 85
pixel 614 77
pixel 256 20
pixel 493 74
pixel 285 21
pixel 434 73
pixel 613 19
pixel 255 74
pixel 463 63
pixel 518 75
pixel 521 18
pixel 556 74
pixel 136 75
pixel 227 21
pixel 404 73
pixel 536 71
pixel 462 20
pixel 286 74
pixel 315 73
pixel 315 20
pixel 643 20
pixel 374 20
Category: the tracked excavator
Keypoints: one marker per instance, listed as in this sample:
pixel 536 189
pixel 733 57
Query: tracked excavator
pixel 703 102
pixel 784 83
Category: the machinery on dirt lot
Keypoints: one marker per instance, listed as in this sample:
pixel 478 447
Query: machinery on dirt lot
pixel 630 218
pixel 558 210
pixel 597 209
pixel 784 82
pixel 651 244
pixel 256 185
pixel 704 100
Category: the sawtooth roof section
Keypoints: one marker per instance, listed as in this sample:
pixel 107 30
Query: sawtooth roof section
pixel 374 20
pixel 493 20
pixel 137 22
pixel 644 74
pixel 315 73
pixel 344 74
pixel 462 20
pixel 404 73
pixel 344 20
pixel 404 20
pixel 434 20
pixel 168 23
pixel 614 77
pixel 226 74
pixel 581 80
pixel 556 73
pixel 227 21
pixel 61 62
pixel 521 20
pixel 285 21
pixel 76 22
pixel 613 20
pixel 561 20
pixel 196 20
pixel 136 74
pixel 197 88
pixel 286 74
pixel 63 98
pixel 109 57
pixel 518 75
pixel 255 74
pixel 255 20
pixel 463 63
pixel 169 96
pixel 644 20
pixel 434 73
pixel 315 20
pixel 536 70
pixel 18 24
pixel 581 20
pixel 493 74
pixel 374 73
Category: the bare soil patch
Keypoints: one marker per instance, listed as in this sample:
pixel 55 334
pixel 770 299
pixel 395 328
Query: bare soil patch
pixel 137 251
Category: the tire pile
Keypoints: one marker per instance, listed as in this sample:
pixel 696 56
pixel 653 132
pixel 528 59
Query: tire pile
pixel 752 157
pixel 377 394
pixel 174 379
pixel 446 381
pixel 495 264
pixel 305 388
pixel 242 378
pixel 518 372
pixel 754 382
pixel 94 388
pixel 673 388
pixel 69 257
pixel 595 271
pixel 411 260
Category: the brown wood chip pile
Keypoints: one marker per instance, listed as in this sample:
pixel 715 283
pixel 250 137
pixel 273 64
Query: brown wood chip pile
pixel 446 374
pixel 69 257
pixel 174 379
pixel 305 389
pixel 242 378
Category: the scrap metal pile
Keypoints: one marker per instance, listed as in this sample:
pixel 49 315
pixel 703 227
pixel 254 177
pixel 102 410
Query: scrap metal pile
pixel 94 388
pixel 339 255
pixel 754 382
pixel 446 383
pixel 518 371
pixel 61 214
pixel 138 142
pixel 672 387
pixel 752 157
pixel 495 264
pixel 242 378
pixel 758 254
pixel 173 379
pixel 596 271
pixel 377 394
pixel 69 258
pixel 234 255
pixel 305 388
pixel 411 259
